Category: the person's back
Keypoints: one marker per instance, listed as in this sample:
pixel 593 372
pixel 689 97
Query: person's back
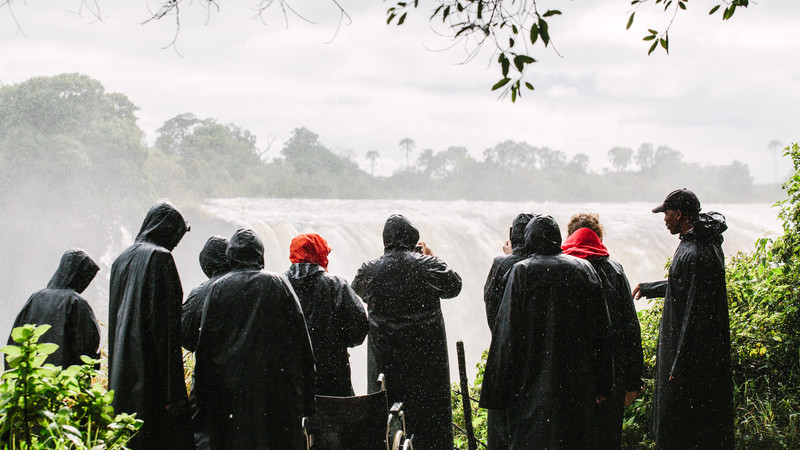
pixel 254 364
pixel 407 339
pixel 334 315
pixel 585 241
pixel 545 362
pixel 74 327
pixel 145 365
pixel 214 264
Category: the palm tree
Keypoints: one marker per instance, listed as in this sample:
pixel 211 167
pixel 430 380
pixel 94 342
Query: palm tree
pixel 407 145
pixel 372 155
pixel 620 157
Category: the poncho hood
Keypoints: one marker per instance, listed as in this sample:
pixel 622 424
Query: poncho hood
pixel 245 250
pixel 399 234
pixel 164 225
pixel 585 244
pixel 75 271
pixel 309 248
pixel 212 258
pixel 517 232
pixel 710 226
pixel 542 236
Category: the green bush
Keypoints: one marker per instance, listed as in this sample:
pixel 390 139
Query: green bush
pixel 46 407
pixel 763 289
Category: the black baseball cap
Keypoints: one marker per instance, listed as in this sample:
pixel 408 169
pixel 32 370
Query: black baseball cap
pixel 679 199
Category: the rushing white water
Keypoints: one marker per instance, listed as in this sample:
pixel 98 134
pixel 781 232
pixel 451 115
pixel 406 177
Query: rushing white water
pixel 466 235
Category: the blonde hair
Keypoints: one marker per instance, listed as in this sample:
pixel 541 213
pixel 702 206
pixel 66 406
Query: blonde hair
pixel 585 220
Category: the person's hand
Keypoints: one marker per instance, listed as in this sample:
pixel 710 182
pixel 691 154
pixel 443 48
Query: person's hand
pixel 637 292
pixel 507 248
pixel 425 249
pixel 630 396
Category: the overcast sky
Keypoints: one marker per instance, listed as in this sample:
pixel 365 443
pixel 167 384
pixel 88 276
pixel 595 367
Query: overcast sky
pixel 726 90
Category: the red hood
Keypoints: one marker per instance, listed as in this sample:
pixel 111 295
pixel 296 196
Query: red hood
pixel 309 248
pixel 584 244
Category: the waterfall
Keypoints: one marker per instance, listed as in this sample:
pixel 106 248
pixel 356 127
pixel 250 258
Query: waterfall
pixel 466 235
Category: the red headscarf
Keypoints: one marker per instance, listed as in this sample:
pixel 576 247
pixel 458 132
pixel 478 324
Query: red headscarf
pixel 309 248
pixel 585 244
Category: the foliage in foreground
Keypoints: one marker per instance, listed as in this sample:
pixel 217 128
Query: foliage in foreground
pixel 46 407
pixel 763 289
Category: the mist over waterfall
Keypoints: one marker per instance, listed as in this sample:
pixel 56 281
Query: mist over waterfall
pixel 466 235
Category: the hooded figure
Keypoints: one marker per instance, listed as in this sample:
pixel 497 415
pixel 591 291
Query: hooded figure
pixel 334 315
pixel 254 365
pixel 497 421
pixel 74 327
pixel 214 264
pixel 407 340
pixel 693 396
pixel 626 339
pixel 145 367
pixel 546 364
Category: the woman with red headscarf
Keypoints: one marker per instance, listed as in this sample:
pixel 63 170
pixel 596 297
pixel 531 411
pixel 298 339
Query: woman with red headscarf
pixel 585 242
pixel 334 314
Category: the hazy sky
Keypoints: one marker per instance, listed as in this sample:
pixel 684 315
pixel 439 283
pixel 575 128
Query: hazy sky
pixel 726 90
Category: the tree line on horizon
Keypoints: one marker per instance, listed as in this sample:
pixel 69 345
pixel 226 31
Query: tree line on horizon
pixel 65 135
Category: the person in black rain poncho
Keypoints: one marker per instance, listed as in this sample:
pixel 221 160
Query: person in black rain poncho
pixel 693 396
pixel 145 367
pixel 546 364
pixel 254 365
pixel 334 315
pixel 497 424
pixel 407 340
pixel 74 327
pixel 585 241
pixel 214 264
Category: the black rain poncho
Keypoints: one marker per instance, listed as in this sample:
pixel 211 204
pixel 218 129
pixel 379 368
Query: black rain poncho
pixel 214 264
pixel 74 327
pixel 498 275
pixel 497 423
pixel 145 367
pixel 254 365
pixel 335 319
pixel 546 364
pixel 695 409
pixel 407 340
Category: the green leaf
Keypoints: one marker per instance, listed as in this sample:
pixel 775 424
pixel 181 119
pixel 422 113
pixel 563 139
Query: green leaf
pixel 551 12
pixel 534 33
pixel 649 37
pixel 21 334
pixel 528 85
pixel 436 11
pixel 510 42
pixel 504 64
pixel 713 10
pixel 682 5
pixel 46 349
pixel 651 31
pixel 40 330
pixel 543 32
pixel 389 19
pixel 652 47
pixel 11 350
pixel 445 13
pixel 630 21
pixel 501 83
pixel 513 94
pixel 521 60
pixel 402 19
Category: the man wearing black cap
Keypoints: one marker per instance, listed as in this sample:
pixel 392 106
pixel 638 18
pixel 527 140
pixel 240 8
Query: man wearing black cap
pixel 693 396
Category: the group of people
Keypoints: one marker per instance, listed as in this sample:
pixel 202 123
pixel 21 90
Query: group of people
pixel 565 357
